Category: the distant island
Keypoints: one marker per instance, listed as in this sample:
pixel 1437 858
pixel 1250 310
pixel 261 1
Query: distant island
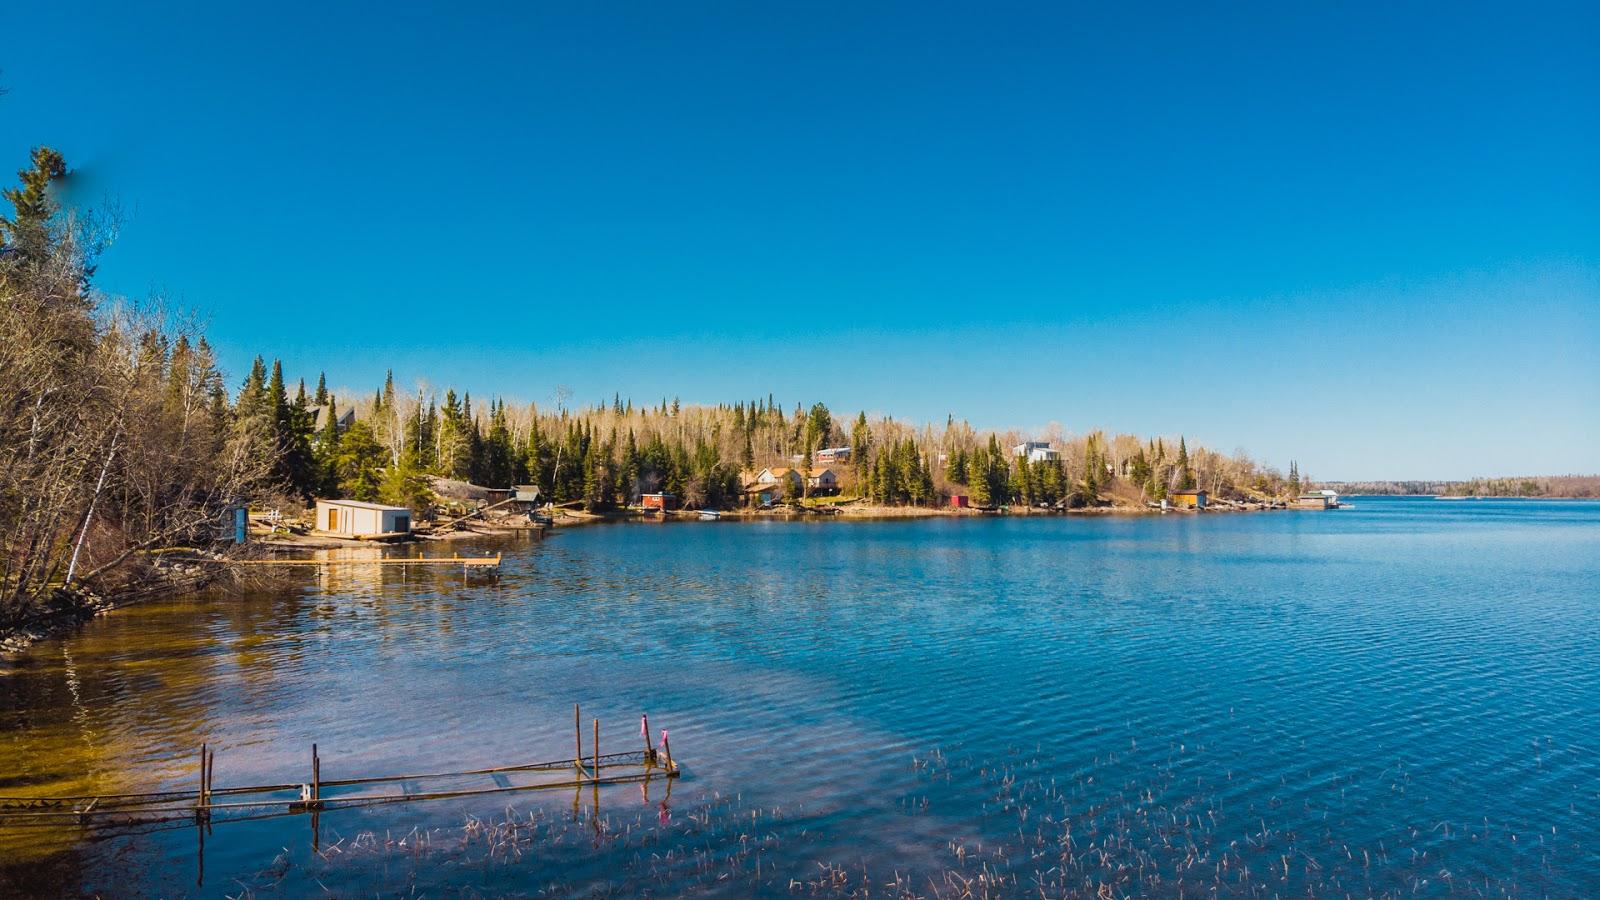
pixel 1552 487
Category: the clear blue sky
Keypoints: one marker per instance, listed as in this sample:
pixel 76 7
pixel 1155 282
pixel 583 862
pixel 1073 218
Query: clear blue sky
pixel 1366 237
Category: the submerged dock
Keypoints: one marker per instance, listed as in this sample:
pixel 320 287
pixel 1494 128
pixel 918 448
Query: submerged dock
pixel 206 804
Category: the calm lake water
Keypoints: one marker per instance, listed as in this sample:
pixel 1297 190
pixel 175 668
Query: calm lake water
pixel 1402 697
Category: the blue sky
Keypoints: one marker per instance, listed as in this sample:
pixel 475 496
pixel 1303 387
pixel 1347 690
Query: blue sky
pixel 1362 236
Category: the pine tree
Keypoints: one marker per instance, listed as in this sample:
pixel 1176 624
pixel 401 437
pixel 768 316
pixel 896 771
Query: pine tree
pixel 326 453
pixel 860 445
pixel 360 462
pixel 955 466
pixel 978 478
pixel 1186 480
pixel 27 231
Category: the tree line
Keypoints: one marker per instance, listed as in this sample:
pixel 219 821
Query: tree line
pixel 606 454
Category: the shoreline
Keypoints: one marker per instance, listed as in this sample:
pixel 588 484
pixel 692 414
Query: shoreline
pixel 190 579
pixel 87 606
pixel 867 513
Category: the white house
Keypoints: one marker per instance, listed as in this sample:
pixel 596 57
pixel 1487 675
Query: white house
pixel 1036 451
pixel 822 480
pixel 774 475
pixel 815 480
pixel 353 518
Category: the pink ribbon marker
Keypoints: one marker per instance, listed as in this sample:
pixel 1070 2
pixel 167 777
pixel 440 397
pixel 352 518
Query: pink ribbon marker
pixel 644 726
pixel 663 738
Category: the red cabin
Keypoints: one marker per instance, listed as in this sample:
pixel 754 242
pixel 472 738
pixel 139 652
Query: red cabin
pixel 959 501
pixel 658 501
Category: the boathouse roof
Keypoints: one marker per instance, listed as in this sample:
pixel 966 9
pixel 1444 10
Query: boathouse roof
pixel 362 504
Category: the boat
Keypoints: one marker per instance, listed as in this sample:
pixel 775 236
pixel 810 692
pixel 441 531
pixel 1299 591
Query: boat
pixel 709 515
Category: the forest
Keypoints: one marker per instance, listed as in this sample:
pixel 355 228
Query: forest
pixel 604 455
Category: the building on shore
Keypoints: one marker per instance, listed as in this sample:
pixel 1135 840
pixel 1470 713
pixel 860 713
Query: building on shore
pixel 822 481
pixel 777 475
pixel 1194 498
pixel 816 481
pixel 760 494
pixel 319 419
pixel 658 501
pixel 1316 500
pixel 357 519
pixel 1036 451
pixel 960 501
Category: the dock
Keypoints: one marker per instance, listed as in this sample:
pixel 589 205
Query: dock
pixel 206 804
pixel 468 561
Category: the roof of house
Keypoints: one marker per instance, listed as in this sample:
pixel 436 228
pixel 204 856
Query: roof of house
pixel 362 504
pixel 318 412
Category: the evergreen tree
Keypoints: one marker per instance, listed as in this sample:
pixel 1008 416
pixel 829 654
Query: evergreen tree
pixel 326 452
pixel 628 471
pixel 360 463
pixel 978 478
pixel 27 231
pixel 1186 480
pixel 955 466
pixel 860 445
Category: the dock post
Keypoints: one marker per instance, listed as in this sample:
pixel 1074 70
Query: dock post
pixel 667 745
pixel 644 730
pixel 316 775
pixel 597 750
pixel 200 800
pixel 577 734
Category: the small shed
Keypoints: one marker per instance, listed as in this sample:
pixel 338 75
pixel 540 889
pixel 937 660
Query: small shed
pixel 1189 499
pixel 959 501
pixel 233 524
pixel 658 501
pixel 1313 501
pixel 354 518
pixel 526 493
pixel 764 494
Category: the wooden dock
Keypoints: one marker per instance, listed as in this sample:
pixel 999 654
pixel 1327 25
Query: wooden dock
pixel 205 803
pixel 468 561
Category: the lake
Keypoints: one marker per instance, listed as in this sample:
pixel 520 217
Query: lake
pixel 1400 697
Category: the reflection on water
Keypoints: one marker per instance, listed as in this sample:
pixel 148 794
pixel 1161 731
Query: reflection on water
pixel 1394 698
